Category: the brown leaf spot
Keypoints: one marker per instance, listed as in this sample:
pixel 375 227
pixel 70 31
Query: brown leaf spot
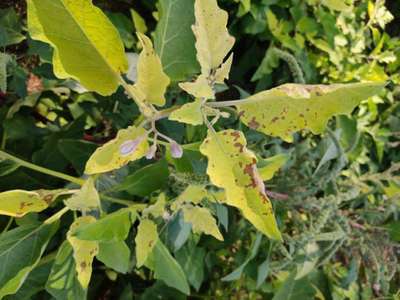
pixel 253 124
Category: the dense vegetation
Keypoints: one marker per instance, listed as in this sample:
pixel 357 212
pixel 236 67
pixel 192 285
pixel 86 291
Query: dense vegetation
pixel 120 192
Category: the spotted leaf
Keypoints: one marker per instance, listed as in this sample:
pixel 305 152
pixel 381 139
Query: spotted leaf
pixel 145 240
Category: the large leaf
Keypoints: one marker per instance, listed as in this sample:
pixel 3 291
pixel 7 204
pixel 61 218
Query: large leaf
pixel 20 251
pixel 289 108
pixel 145 240
pixel 86 44
pixel 232 167
pixel 130 144
pixel 63 283
pixel 174 41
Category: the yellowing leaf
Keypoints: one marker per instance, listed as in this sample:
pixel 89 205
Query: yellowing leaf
pixel 192 194
pixel 271 165
pixel 200 88
pixel 152 81
pixel 202 221
pixel 232 166
pixel 189 113
pixel 130 144
pixel 18 203
pixel 292 107
pixel 84 251
pixel 86 199
pixel 157 209
pixel 145 240
pixel 213 41
pixel 138 21
pixel 86 44
pixel 222 72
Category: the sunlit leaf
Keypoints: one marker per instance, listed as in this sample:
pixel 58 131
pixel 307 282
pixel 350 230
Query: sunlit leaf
pixel 194 193
pixel 200 88
pixel 233 167
pixel 130 144
pixel 86 199
pixel 145 240
pixel 271 165
pixel 202 221
pixel 292 107
pixel 189 113
pixel 86 44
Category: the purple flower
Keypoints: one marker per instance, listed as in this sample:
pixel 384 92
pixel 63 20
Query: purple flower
pixel 176 150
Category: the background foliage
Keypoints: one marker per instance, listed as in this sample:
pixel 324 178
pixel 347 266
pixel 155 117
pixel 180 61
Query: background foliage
pixel 336 198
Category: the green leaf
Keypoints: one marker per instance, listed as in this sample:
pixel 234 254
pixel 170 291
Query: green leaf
pixel 76 152
pixel 394 230
pixel 86 199
pixel 63 283
pixel 232 166
pixel 7 167
pixel 20 251
pixel 189 113
pixel 168 270
pixel 145 240
pixel 111 228
pixel 293 289
pixel 129 145
pixel 289 108
pixel 10 28
pixel 146 180
pixel 4 59
pixel 202 221
pixel 271 165
pixel 115 255
pixel 86 45
pixel 174 41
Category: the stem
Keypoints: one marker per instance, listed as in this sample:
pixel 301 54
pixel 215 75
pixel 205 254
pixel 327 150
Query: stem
pixel 40 169
pixel 56 216
pixel 10 221
pixel 116 200
pixel 228 103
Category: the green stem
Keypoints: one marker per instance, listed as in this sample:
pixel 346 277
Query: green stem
pixel 10 221
pixel 56 216
pixel 116 200
pixel 40 169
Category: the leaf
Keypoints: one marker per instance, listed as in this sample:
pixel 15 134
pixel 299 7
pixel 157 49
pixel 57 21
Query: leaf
pixel 293 289
pixel 4 59
pixel 145 240
pixel 152 82
pixel 63 282
pixel 76 152
pixel 168 270
pixel 271 165
pixel 288 108
pixel 189 113
pixel 213 41
pixel 138 21
pixel 130 144
pixel 111 228
pixel 20 252
pixel 86 44
pixel 178 232
pixel 84 251
pixel 200 88
pixel 157 209
pixel 194 193
pixel 232 166
pixel 86 199
pixel 18 203
pixel 202 221
pixel 115 255
pixel 222 72
pixel 174 41
pixel 338 5
pixel 10 28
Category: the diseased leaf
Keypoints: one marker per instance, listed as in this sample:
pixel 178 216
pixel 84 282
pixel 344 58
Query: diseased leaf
pixel 84 251
pixel 202 221
pixel 288 108
pixel 174 41
pixel 222 72
pixel 232 166
pixel 271 165
pixel 189 113
pixel 130 144
pixel 152 82
pixel 86 45
pixel 63 282
pixel 157 209
pixel 194 193
pixel 18 203
pixel 20 251
pixel 86 199
pixel 145 240
pixel 200 88
pixel 115 255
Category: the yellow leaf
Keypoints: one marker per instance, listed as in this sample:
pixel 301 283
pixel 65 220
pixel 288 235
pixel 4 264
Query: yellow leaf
pixel 86 199
pixel 192 194
pixel 138 21
pixel 86 45
pixel 130 144
pixel 84 251
pixel 271 165
pixel 145 240
pixel 213 41
pixel 232 166
pixel 18 203
pixel 202 221
pixel 152 81
pixel 200 88
pixel 286 109
pixel 222 72
pixel 189 113
pixel 157 209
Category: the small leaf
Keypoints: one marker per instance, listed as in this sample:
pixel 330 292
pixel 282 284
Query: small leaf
pixel 4 59
pixel 233 167
pixel 289 108
pixel 145 240
pixel 86 199
pixel 152 82
pixel 202 221
pixel 86 45
pixel 84 251
pixel 114 154
pixel 222 72
pixel 115 255
pixel 189 113
pixel 157 209
pixel 200 88
pixel 194 193
pixel 271 165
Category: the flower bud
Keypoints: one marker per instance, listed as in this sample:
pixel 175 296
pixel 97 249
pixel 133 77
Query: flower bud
pixel 176 150
pixel 151 152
